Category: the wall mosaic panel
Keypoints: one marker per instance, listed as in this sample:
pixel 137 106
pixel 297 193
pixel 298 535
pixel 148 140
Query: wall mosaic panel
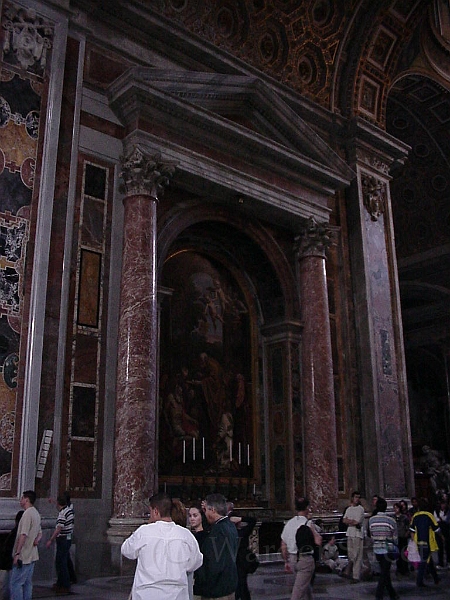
pixel 26 43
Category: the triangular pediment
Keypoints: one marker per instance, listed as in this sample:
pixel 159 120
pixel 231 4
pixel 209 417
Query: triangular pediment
pixel 230 131
pixel 249 103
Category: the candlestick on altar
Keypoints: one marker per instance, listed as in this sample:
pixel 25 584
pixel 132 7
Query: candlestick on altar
pixel 193 448
pixel 231 450
pixel 248 455
pixel 184 451
pixel 254 489
pixel 203 448
pixel 239 452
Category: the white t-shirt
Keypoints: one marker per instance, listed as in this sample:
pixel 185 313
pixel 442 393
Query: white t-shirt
pixel 357 514
pixel 289 531
pixel 166 553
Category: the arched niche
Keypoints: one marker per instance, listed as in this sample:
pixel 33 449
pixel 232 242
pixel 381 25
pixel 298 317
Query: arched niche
pixel 220 287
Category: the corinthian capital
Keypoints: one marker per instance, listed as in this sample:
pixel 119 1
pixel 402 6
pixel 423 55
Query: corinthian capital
pixel 143 174
pixel 314 239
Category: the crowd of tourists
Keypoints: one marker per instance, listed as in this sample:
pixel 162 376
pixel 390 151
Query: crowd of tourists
pixel 415 540
pixel 204 551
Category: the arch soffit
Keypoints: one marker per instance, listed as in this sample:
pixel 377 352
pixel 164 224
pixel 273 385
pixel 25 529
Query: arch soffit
pixel 379 43
pixel 178 221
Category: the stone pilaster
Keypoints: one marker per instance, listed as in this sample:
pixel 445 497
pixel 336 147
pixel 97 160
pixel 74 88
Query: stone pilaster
pixel 386 439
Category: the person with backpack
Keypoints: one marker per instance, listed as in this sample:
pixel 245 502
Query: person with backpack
pixel 298 541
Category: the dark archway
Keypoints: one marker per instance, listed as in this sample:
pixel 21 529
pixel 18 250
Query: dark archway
pixel 418 113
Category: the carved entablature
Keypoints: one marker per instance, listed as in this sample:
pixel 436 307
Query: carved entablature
pixel 374 195
pixel 145 175
pixel 373 161
pixel 314 239
pixel 27 39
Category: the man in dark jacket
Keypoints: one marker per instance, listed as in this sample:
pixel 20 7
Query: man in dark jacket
pixel 217 577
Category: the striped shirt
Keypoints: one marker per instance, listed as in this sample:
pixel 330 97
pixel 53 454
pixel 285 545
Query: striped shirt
pixel 65 520
pixel 383 531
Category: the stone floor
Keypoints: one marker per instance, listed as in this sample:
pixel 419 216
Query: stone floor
pixel 270 583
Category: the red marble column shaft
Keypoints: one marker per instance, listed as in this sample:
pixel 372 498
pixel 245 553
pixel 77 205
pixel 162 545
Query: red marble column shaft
pixel 135 444
pixel 319 418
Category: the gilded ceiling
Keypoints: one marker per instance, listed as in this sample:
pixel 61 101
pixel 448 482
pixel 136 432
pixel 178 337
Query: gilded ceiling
pixel 343 54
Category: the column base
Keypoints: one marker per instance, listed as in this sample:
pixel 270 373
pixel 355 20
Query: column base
pixel 119 530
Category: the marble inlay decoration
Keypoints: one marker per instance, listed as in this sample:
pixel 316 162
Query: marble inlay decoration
pixel 85 402
pixel 25 46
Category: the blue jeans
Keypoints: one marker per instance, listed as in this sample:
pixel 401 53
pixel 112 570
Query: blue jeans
pixel 62 562
pixel 21 585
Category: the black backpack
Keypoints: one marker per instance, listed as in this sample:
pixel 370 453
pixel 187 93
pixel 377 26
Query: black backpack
pixel 304 538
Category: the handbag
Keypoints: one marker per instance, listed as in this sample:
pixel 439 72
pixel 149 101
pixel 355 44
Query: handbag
pixel 412 552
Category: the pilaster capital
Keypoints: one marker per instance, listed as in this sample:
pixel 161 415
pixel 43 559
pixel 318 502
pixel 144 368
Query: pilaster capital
pixel 314 239
pixel 144 174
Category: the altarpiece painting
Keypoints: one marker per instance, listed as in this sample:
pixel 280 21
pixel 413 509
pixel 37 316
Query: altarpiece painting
pixel 206 418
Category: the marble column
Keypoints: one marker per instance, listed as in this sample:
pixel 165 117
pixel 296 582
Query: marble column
pixel 136 402
pixel 319 419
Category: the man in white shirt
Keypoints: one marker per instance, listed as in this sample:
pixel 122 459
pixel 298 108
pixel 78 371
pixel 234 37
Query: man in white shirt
pixel 165 554
pixel 354 518
pixel 300 561
pixel 25 552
